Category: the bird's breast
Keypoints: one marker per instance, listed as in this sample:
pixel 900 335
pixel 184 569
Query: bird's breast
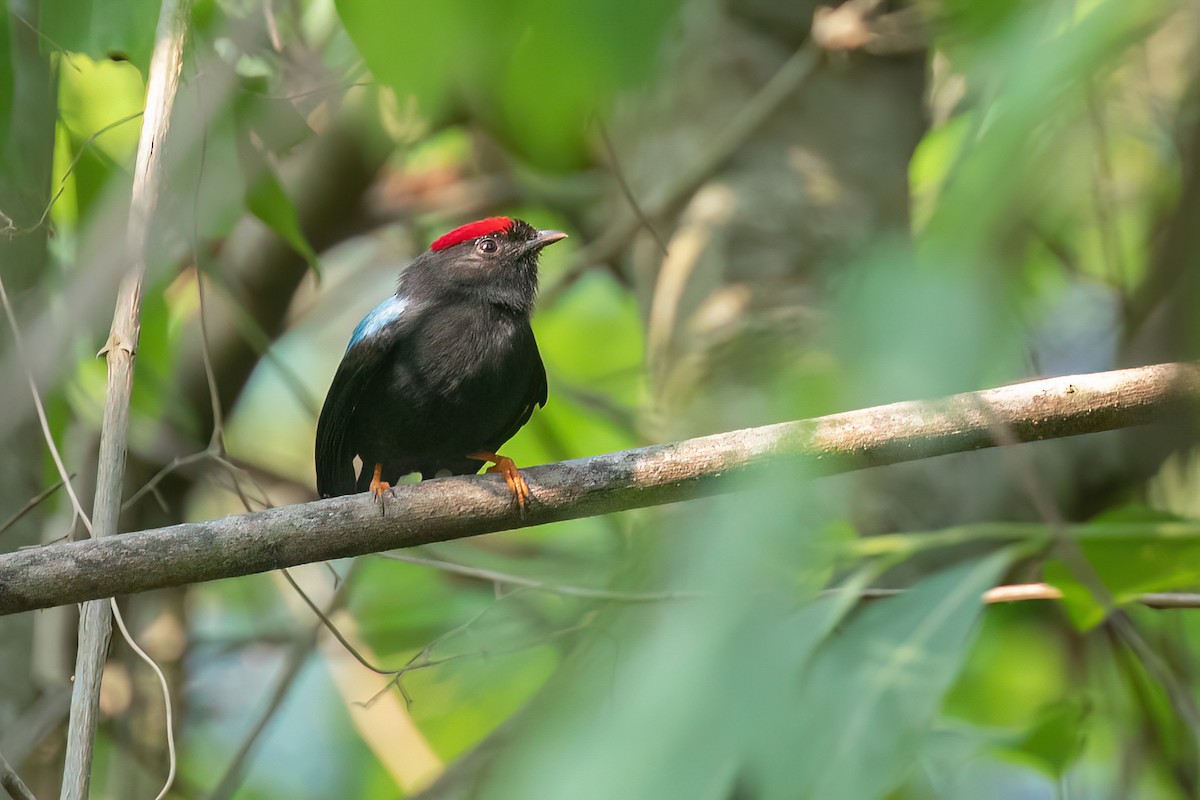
pixel 459 379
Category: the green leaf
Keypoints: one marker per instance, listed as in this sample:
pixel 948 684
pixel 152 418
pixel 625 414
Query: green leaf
pixel 1133 549
pixel 1055 740
pixel 7 80
pixel 410 46
pixel 266 199
pixel 878 684
pixel 533 71
pixel 121 30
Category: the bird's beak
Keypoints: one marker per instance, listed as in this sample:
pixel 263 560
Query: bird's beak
pixel 544 238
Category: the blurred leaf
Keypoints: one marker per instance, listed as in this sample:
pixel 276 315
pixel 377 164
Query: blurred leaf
pixel 65 211
pixel 1001 685
pixel 1036 62
pixel 402 607
pixel 499 646
pixel 95 96
pixel 100 28
pixel 878 683
pixel 276 124
pixel 534 70
pixel 1056 739
pixel 968 22
pixel 8 80
pixel 1134 549
pixel 100 103
pixel 593 337
pixel 1130 560
pixel 892 316
pixel 211 174
pixel 413 47
pixel 267 200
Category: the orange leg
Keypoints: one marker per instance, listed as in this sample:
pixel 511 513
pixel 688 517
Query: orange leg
pixel 378 487
pixel 512 476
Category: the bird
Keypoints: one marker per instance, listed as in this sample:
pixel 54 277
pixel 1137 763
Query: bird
pixel 438 376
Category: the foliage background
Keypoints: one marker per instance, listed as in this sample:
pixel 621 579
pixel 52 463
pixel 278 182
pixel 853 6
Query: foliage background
pixel 976 193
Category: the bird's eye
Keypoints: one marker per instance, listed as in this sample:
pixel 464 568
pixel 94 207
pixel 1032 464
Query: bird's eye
pixel 487 246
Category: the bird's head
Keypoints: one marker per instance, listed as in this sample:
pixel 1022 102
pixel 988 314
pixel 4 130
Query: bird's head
pixel 493 260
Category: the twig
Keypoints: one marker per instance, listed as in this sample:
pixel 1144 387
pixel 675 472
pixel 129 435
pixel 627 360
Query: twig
pixel 1167 600
pixel 158 477
pixel 421 660
pixel 495 576
pixel 95 622
pixel 749 118
pixel 32 503
pixel 162 682
pixel 451 508
pixel 1024 592
pixel 1021 592
pixel 424 659
pixel 627 190
pixel 333 629
pixel 45 716
pixel 19 345
pixel 210 374
pixel 62 184
pixel 12 783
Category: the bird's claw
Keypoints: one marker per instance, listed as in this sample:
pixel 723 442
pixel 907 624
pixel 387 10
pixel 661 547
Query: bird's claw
pixel 512 476
pixel 515 480
pixel 378 485
pixel 377 490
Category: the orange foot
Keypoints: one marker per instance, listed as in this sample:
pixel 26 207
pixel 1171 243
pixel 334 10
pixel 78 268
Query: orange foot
pixel 378 487
pixel 512 476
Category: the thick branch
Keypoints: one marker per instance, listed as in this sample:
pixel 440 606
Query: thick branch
pixel 451 508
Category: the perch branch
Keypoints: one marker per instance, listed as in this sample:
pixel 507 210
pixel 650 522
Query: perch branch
pixel 451 508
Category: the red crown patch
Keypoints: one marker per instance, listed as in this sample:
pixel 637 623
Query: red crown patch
pixel 471 230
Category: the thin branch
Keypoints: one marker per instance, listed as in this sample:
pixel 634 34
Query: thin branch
pixel 1169 600
pixel 1021 592
pixel 452 508
pixel 167 469
pixel 724 145
pixel 62 184
pixel 210 375
pixel 19 345
pixel 424 659
pixel 1024 592
pixel 162 682
pixel 31 504
pixel 627 190
pixel 42 718
pixel 333 629
pixel 508 579
pixel 12 783
pixel 95 619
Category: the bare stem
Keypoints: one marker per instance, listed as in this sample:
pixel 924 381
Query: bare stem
pixel 95 623
pixel 12 783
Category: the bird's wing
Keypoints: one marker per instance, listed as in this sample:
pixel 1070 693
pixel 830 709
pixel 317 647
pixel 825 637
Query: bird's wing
pixel 378 333
pixel 536 394
pixel 541 392
pixel 334 452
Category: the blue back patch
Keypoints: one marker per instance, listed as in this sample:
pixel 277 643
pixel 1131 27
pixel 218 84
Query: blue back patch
pixel 378 318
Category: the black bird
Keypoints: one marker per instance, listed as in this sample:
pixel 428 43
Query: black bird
pixel 442 373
